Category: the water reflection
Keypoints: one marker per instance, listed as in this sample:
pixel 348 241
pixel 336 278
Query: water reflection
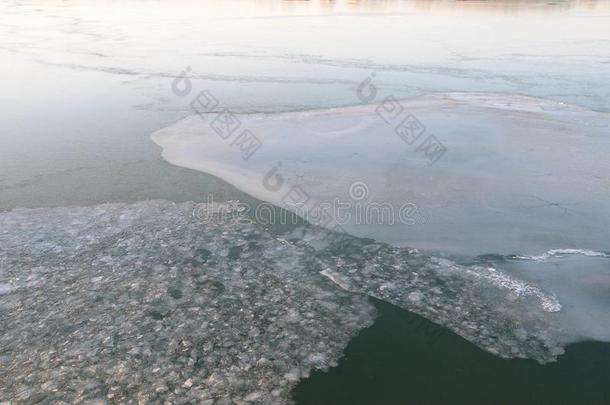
pixel 479 6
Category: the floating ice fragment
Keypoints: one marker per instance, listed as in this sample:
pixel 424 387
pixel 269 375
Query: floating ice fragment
pixel 293 375
pixel 5 288
pixel 416 297
pixel 337 278
pixel 563 252
pixel 254 396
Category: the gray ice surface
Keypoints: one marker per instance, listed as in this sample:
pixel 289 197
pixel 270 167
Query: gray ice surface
pixel 520 175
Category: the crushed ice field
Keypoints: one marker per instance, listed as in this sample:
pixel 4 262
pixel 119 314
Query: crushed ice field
pixel 140 303
pixel 146 303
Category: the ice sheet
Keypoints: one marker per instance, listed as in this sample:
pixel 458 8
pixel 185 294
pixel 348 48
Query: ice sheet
pixel 520 175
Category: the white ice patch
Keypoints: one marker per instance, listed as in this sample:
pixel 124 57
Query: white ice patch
pixel 520 175
pixel 563 252
pixel 516 286
pixel 5 288
pixel 336 278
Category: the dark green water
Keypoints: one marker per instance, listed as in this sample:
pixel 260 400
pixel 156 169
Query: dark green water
pixel 405 359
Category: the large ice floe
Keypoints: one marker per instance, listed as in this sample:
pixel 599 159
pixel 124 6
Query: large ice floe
pixel 519 175
pixel 147 303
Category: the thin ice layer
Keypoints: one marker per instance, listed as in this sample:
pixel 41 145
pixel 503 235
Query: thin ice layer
pixel 519 176
pixel 581 280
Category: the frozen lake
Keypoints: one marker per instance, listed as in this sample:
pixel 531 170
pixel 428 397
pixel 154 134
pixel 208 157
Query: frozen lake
pixel 497 174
